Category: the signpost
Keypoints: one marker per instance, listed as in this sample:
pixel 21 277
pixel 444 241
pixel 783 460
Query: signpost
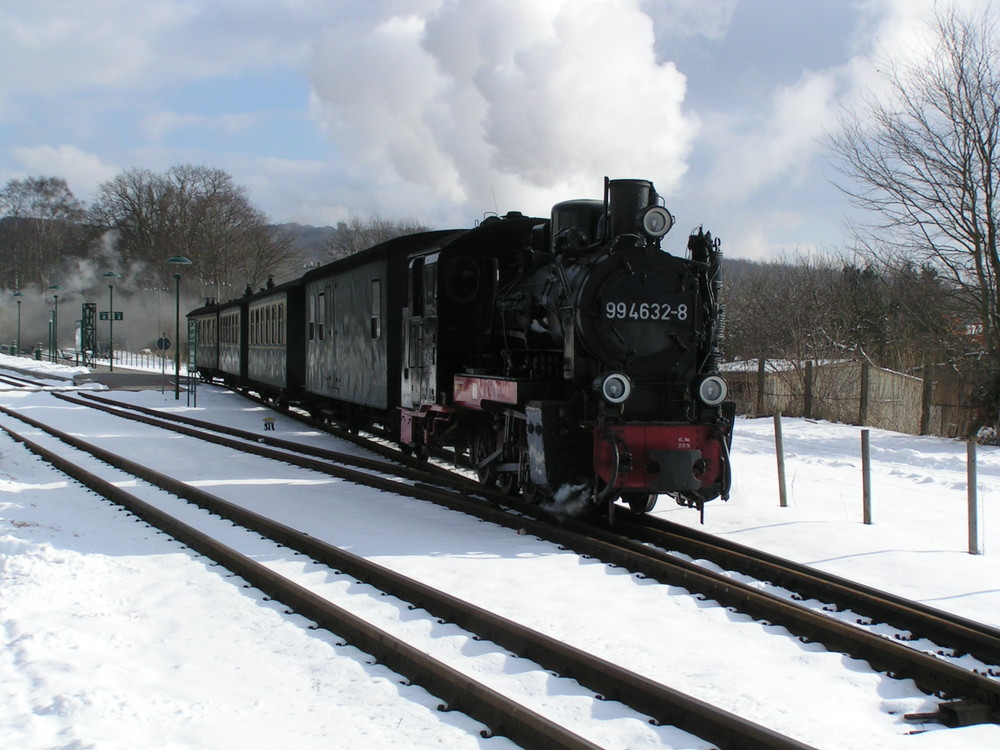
pixel 162 346
pixel 192 363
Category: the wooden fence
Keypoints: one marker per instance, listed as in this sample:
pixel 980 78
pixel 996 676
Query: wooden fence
pixel 940 401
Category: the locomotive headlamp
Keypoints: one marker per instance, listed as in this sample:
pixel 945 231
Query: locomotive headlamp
pixel 656 221
pixel 616 387
pixel 713 390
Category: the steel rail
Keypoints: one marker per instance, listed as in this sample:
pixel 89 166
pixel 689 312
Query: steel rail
pixel 664 704
pixel 178 422
pixel 949 630
pixel 498 712
pixel 930 673
pixel 391 454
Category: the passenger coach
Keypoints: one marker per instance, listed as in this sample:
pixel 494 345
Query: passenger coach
pixel 353 333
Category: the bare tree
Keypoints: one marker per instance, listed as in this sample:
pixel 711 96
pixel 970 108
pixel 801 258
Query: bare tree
pixel 823 307
pixel 195 212
pixel 923 158
pixel 42 221
pixel 359 234
pixel 783 310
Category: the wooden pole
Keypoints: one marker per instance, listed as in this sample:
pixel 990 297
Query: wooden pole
pixel 926 400
pixel 809 390
pixel 970 451
pixel 760 386
pixel 866 476
pixel 866 374
pixel 779 448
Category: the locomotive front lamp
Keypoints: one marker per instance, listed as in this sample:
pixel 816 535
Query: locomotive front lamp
pixel 713 390
pixel 656 221
pixel 615 388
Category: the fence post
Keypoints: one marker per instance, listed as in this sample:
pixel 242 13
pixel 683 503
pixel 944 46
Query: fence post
pixel 926 399
pixel 970 451
pixel 779 449
pixel 809 390
pixel 866 476
pixel 760 386
pixel 866 375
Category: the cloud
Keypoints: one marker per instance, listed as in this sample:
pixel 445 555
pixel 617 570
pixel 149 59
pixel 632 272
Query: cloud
pixel 759 151
pixel 465 101
pixel 777 144
pixel 81 170
pixel 68 47
pixel 708 19
pixel 159 124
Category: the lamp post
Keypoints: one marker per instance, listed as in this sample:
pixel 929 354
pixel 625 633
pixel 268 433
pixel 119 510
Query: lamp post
pixel 111 276
pixel 18 294
pixel 177 260
pixel 54 340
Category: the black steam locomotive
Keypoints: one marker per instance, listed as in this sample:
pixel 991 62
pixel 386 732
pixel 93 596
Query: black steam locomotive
pixel 572 359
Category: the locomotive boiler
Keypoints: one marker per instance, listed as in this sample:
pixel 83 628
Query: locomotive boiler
pixel 573 358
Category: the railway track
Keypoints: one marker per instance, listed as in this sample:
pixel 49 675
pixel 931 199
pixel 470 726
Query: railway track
pixel 19 383
pixel 926 647
pixel 503 716
pixel 862 605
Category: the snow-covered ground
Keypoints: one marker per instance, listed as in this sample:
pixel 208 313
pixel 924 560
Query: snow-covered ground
pixel 116 637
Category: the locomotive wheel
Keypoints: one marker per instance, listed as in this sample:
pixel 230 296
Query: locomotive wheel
pixel 487 443
pixel 532 494
pixel 640 503
pixel 421 452
pixel 483 446
pixel 507 482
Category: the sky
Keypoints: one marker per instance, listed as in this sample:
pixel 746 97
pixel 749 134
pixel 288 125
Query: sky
pixel 444 110
pixel 116 637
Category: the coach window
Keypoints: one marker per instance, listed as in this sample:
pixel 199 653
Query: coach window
pixel 376 308
pixel 312 317
pixel 430 286
pixel 281 323
pixel 417 288
pixel 321 314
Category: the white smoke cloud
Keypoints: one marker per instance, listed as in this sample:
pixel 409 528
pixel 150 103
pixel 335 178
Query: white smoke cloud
pixel 148 311
pixel 529 101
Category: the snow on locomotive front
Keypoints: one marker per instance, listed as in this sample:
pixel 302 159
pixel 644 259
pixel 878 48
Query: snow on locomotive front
pixel 641 410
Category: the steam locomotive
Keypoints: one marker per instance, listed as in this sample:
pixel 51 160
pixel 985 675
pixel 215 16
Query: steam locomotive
pixel 571 359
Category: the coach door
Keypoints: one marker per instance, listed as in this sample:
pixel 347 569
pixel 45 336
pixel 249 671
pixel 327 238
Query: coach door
pixel 419 383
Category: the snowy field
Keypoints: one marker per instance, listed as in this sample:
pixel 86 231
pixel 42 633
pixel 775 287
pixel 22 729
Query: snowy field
pixel 116 637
